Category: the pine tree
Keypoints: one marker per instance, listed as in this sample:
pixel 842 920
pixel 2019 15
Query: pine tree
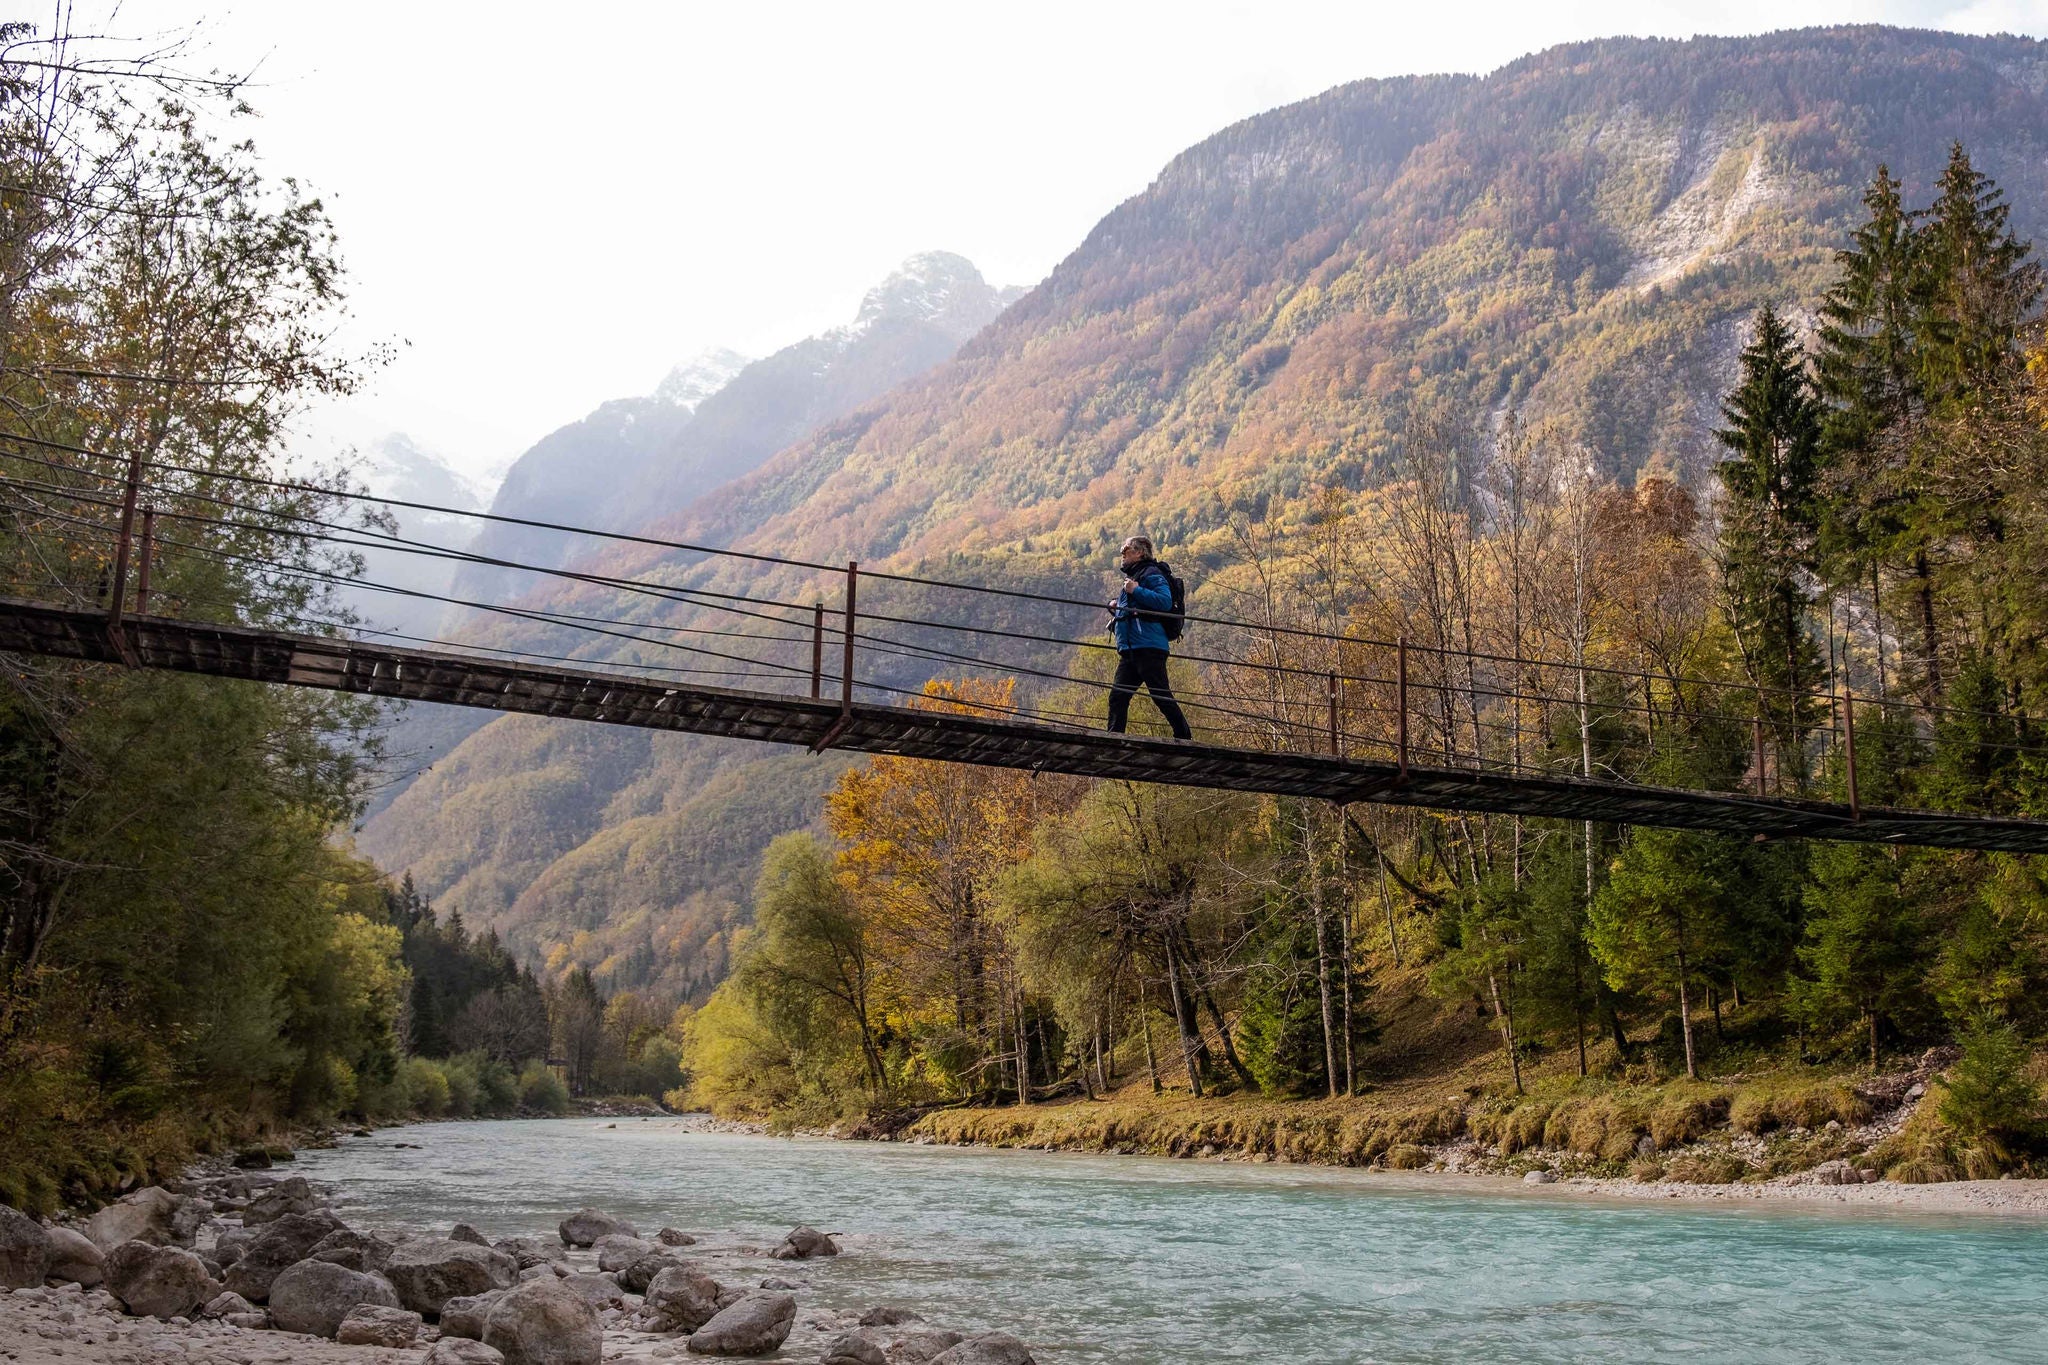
pixel 1867 362
pixel 1768 525
pixel 1979 285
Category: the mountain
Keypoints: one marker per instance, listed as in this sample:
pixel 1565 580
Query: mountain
pixel 1581 235
pixel 397 467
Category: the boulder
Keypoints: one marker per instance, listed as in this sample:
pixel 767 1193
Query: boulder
pixel 529 1251
pixel 292 1195
pixel 464 1317
pixel 670 1237
pixel 585 1226
pixel 314 1296
pixel 779 1282
pixel 222 1304
pixel 461 1351
pixel 636 1277
pixel 851 1348
pixel 681 1298
pixel 804 1242
pixel 357 1251
pixel 254 1159
pixel 756 1325
pixel 990 1348
pixel 429 1273
pixel 229 1246
pixel 152 1215
pixel 73 1258
pixel 599 1291
pixel 24 1250
pixel 463 1232
pixel 255 1320
pixel 889 1315
pixel 369 1324
pixel 616 1251
pixel 283 1243
pixel 922 1347
pixel 158 1282
pixel 545 1322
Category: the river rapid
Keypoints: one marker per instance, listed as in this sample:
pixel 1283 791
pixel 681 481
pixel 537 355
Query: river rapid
pixel 1145 1261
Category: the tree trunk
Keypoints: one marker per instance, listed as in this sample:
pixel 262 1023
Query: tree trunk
pixel 1151 1058
pixel 1506 1024
pixel 1685 1020
pixel 1323 986
pixel 1930 638
pixel 1180 1019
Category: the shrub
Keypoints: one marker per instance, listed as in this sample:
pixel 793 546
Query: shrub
pixel 1647 1170
pixel 464 1086
pixel 423 1086
pixel 497 1086
pixel 1987 1097
pixel 1406 1156
pixel 541 1089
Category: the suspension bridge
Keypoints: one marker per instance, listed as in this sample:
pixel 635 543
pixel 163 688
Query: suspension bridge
pixel 1294 711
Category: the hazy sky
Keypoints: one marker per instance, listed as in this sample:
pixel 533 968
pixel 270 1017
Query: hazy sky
pixel 548 206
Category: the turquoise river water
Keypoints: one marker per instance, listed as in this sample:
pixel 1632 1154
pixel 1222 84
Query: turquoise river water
pixel 1145 1262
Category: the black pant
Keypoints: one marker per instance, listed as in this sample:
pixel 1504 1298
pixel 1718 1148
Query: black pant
pixel 1147 666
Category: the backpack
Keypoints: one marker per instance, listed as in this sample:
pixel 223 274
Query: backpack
pixel 1175 620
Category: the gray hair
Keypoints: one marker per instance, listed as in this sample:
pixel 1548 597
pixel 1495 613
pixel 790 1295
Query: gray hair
pixel 1142 542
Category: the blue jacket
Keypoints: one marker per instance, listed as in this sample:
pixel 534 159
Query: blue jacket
pixel 1131 629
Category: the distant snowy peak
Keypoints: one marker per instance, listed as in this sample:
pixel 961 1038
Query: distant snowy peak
pixel 934 287
pixel 693 381
pixel 397 467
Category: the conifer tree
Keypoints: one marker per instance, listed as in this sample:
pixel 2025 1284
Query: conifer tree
pixel 1980 286
pixel 1768 523
pixel 1867 363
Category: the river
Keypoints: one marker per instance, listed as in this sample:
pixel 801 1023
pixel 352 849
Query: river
pixel 1145 1261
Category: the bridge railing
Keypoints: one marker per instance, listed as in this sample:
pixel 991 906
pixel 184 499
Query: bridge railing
pixel 165 537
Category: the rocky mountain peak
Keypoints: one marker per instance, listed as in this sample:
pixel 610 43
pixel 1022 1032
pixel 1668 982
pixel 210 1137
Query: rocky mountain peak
pixel 935 287
pixel 696 379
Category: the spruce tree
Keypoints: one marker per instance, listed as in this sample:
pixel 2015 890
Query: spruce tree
pixel 1867 362
pixel 1979 285
pixel 1768 524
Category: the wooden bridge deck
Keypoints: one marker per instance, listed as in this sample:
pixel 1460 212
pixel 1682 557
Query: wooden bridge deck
pixel 377 670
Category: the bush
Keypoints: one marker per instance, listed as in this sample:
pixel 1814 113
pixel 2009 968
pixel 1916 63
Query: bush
pixel 541 1089
pixel 1706 1168
pixel 423 1086
pixel 497 1086
pixel 463 1086
pixel 1406 1156
pixel 1987 1097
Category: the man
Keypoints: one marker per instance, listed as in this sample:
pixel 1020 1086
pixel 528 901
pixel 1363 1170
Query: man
pixel 1135 623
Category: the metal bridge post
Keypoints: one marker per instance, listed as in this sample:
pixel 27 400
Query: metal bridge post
pixel 1336 743
pixel 142 569
pixel 1758 723
pixel 118 600
pixel 817 650
pixel 1849 751
pixel 846 664
pixel 1401 702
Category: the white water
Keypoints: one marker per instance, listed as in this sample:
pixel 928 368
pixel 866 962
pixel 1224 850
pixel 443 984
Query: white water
pixel 1145 1262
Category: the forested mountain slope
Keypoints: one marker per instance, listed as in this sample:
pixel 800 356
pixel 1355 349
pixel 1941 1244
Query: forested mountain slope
pixel 1579 236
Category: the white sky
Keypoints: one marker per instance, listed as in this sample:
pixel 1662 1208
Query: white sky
pixel 548 206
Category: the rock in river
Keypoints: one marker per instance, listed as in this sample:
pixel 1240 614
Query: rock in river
pixel 681 1298
pixel 24 1250
pixel 990 1348
pixel 429 1273
pixel 851 1348
pixel 637 1276
pixel 314 1296
pixel 158 1282
pixel 615 1251
pixel 545 1322
pixel 585 1226
pixel 804 1242
pixel 756 1325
